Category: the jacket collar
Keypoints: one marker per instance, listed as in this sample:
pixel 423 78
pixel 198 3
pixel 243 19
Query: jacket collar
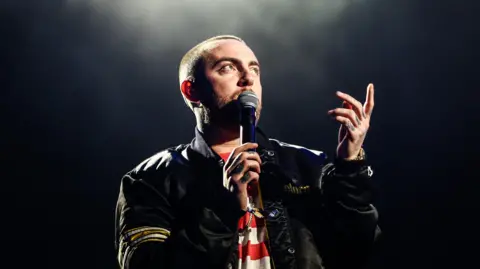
pixel 200 147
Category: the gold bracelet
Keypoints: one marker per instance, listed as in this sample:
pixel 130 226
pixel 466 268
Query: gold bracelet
pixel 360 157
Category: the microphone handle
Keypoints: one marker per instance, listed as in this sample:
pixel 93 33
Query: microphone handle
pixel 247 125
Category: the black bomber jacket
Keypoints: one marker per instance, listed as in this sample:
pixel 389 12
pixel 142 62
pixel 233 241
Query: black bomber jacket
pixel 173 211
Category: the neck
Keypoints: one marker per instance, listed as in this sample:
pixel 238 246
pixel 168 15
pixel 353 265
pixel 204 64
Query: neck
pixel 220 133
pixel 220 139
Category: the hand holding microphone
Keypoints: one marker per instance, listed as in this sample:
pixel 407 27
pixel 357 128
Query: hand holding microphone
pixel 243 165
pixel 241 168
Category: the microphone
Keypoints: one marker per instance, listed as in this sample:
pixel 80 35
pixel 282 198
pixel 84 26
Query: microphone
pixel 248 102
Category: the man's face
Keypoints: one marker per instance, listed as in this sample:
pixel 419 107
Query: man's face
pixel 230 69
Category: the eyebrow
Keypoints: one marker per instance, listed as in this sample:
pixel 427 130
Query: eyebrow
pixel 233 60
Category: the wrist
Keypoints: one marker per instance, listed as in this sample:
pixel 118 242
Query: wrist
pixel 243 200
pixel 360 156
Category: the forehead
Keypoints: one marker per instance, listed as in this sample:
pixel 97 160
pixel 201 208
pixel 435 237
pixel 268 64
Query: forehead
pixel 229 48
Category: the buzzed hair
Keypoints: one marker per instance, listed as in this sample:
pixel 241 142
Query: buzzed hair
pixel 189 65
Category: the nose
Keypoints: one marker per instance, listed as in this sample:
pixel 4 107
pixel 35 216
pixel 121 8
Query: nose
pixel 246 79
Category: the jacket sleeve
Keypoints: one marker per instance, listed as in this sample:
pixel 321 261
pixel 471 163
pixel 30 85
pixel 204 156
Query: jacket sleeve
pixel 143 225
pixel 348 226
pixel 152 232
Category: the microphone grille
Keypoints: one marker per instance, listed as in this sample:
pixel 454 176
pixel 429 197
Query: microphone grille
pixel 248 99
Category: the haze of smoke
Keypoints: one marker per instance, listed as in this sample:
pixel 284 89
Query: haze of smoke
pixel 283 33
pixel 163 24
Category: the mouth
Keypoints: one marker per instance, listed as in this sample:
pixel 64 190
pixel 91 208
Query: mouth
pixel 235 97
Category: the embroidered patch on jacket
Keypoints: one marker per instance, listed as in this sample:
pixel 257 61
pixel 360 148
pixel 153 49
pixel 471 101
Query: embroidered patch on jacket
pixel 136 235
pixel 296 189
pixel 133 237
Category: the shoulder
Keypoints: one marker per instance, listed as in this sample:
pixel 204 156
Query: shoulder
pixel 155 175
pixel 159 165
pixel 297 150
pixel 161 160
pixel 302 165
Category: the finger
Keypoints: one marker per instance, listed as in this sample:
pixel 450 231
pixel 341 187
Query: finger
pixel 369 102
pixel 242 156
pixel 343 130
pixel 245 178
pixel 341 133
pixel 236 152
pixel 246 146
pixel 347 113
pixel 346 123
pixel 243 167
pixel 356 105
pixel 248 177
pixel 349 106
pixel 252 155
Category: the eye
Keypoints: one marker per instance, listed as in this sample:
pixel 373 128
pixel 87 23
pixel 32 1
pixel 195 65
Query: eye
pixel 256 69
pixel 227 68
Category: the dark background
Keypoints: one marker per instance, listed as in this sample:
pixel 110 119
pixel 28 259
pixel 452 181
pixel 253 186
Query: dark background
pixel 89 90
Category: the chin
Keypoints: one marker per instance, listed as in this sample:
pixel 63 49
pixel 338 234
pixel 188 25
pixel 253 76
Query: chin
pixel 227 115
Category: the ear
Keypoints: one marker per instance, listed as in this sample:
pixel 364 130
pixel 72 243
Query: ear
pixel 189 91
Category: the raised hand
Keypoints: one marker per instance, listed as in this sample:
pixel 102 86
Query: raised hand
pixel 355 120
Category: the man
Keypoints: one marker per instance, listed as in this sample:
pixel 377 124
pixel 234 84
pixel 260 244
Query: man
pixel 214 203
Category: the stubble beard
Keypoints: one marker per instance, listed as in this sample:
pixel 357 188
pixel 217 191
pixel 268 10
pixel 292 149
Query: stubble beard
pixel 224 113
